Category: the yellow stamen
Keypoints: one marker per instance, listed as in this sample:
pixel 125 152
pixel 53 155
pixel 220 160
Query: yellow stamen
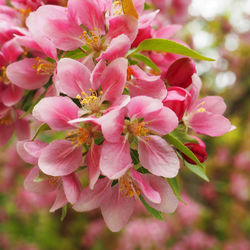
pixel 43 67
pixel 6 120
pixel 128 187
pixel 90 102
pixel 200 110
pixel 79 137
pixel 3 75
pixel 93 39
pixel 53 180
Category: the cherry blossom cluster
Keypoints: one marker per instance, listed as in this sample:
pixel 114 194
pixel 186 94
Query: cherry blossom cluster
pixel 74 69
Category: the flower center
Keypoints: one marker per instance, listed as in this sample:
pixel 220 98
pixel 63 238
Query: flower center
pixel 43 67
pixel 127 187
pixel 3 75
pixel 138 128
pixel 93 39
pixel 79 137
pixel 53 180
pixel 90 102
pixel 6 120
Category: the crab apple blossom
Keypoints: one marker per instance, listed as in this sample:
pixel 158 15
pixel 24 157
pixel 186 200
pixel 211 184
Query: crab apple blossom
pixel 117 202
pixel 112 111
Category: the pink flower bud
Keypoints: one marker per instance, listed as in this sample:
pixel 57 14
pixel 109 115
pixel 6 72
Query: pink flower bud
pixel 180 72
pixel 177 100
pixel 198 149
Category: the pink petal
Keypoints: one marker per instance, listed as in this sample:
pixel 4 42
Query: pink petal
pixel 92 161
pixel 24 76
pixel 194 92
pixel 6 133
pixel 60 158
pixel 64 33
pixel 163 121
pixel 56 112
pixel 60 201
pixel 29 151
pixel 116 209
pixel 71 187
pixel 209 124
pixel 91 199
pixel 39 187
pixel 12 95
pixel 118 47
pixel 11 50
pixel 37 21
pixel 87 12
pixel 158 157
pixel 112 124
pixel 147 85
pixel 168 200
pixel 22 129
pixel 146 188
pixel 213 104
pixel 115 158
pixel 97 73
pixel 139 6
pixel 123 24
pixel 139 106
pixel 73 77
pixel 114 78
pixel 167 32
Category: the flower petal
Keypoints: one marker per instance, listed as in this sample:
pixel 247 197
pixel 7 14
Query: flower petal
pixel 114 78
pixel 71 187
pixel 72 77
pixel 56 112
pixel 140 106
pixel 91 199
pixel 169 201
pixel 116 209
pixel 118 47
pixel 146 188
pixel 209 124
pixel 39 187
pixel 115 158
pixel 22 74
pixel 92 161
pixel 112 124
pixel 60 158
pixel 60 201
pixel 158 157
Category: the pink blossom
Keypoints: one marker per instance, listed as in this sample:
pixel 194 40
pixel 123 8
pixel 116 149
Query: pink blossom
pixel 205 115
pixel 117 202
pixel 154 152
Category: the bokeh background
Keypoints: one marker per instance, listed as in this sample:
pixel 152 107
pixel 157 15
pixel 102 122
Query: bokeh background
pixel 215 215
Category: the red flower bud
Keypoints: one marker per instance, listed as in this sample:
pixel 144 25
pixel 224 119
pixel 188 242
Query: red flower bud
pixel 198 150
pixel 177 99
pixel 180 72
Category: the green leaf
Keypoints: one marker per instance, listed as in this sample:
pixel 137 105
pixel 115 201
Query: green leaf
pixel 43 127
pixel 164 45
pixel 147 61
pixel 64 212
pixel 175 187
pixel 30 109
pixel 180 146
pixel 198 170
pixel 154 212
pixel 75 54
pixel 181 134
